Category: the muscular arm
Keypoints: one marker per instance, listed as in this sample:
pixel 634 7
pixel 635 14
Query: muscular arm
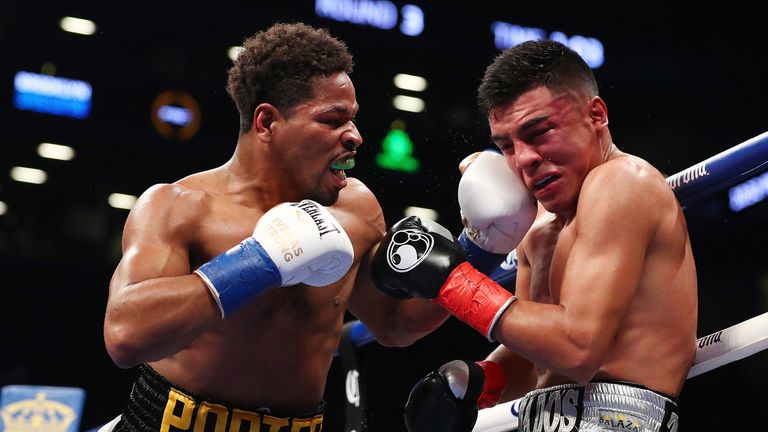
pixel 155 307
pixel 614 225
pixel 391 321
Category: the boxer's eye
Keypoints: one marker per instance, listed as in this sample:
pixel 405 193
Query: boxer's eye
pixel 540 132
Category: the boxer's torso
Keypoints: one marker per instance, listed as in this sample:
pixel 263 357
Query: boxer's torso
pixel 654 345
pixel 275 351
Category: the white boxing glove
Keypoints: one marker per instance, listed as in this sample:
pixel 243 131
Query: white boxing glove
pixel 496 207
pixel 314 248
pixel 292 243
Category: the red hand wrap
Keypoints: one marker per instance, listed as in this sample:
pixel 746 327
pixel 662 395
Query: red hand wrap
pixel 473 298
pixel 495 383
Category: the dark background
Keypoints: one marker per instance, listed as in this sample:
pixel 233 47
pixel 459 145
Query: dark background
pixel 681 84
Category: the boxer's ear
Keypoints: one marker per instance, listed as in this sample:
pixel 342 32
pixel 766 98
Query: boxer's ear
pixel 264 117
pixel 598 112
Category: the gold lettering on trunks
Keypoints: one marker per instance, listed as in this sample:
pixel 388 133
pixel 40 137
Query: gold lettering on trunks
pixel 219 411
pixel 238 416
pixel 178 421
pixel 275 423
pixel 183 413
pixel 317 424
pixel 298 424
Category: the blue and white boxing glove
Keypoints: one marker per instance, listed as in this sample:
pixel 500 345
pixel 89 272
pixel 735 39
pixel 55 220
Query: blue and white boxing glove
pixel 292 243
pixel 496 209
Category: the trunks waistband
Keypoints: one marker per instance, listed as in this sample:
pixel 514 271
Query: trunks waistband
pixel 157 405
pixel 605 406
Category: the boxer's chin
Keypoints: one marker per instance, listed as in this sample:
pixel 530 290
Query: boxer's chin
pixel 327 195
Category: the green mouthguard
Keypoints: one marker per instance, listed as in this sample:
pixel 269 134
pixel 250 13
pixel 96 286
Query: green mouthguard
pixel 343 164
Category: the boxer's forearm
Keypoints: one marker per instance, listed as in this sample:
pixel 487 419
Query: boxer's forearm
pixel 156 318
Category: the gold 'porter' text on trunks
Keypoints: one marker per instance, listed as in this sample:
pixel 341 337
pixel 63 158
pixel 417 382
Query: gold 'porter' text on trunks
pixel 157 405
pixel 183 413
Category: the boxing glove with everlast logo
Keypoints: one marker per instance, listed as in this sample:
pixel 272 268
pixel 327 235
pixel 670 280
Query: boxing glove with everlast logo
pixel 292 243
pixel 423 259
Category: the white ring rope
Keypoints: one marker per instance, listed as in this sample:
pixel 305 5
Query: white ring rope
pixel 712 351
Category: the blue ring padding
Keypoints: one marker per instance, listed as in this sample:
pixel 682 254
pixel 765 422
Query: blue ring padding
pixel 721 170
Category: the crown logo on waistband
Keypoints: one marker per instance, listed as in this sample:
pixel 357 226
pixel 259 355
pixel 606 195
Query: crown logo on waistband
pixel 37 415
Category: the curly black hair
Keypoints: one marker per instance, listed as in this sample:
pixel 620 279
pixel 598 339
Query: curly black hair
pixel 528 65
pixel 277 66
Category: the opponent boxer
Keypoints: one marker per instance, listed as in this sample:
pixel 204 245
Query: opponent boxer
pixel 601 331
pixel 234 327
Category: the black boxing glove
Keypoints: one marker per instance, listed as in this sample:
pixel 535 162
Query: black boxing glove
pixel 412 261
pixel 448 400
pixel 423 259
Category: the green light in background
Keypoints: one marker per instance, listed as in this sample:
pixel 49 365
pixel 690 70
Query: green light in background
pixel 397 150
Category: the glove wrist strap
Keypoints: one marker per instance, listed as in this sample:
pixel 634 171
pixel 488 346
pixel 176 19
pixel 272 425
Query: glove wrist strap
pixel 474 298
pixel 239 274
pixel 495 383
